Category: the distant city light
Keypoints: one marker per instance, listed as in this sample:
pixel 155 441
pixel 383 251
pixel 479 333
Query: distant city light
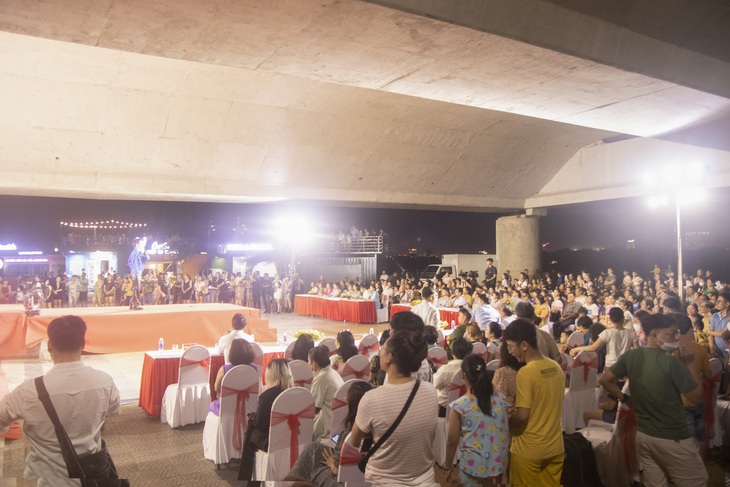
pixel 30 252
pixel 10 246
pixel 113 224
pixel 24 260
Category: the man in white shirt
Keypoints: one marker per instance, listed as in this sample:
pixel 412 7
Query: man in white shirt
pixel 443 376
pixel 458 300
pixel 483 313
pixel 81 396
pixel 238 322
pixel 426 310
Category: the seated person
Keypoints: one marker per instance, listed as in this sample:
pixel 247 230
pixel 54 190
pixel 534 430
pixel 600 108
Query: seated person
pixel 377 376
pixel 463 318
pixel 240 353
pixel 345 349
pixel 302 346
pixel 494 334
pixel 442 379
pixel 474 333
pixel 319 464
pixel 278 379
pixel 431 336
pixel 238 323
pixel 324 385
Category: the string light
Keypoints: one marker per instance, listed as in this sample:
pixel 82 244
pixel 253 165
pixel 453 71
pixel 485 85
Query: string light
pixel 107 224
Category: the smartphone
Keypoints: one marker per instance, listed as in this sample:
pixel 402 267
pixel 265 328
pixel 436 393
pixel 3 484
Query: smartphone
pixel 335 438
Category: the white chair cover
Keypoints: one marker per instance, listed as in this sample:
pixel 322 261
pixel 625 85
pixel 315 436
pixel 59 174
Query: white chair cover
pixel 339 407
pixel 480 349
pixel 301 374
pixel 608 448
pixel 289 350
pixel 580 395
pixel 292 424
pixel 564 362
pixel 369 346
pixel 382 314
pixel 493 365
pixel 576 339
pixel 715 377
pixel 239 397
pixel 457 388
pixel 441 341
pixel 349 473
pixel 331 344
pixel 187 401
pixel 438 355
pixel 493 349
pixel 258 356
pixel 357 367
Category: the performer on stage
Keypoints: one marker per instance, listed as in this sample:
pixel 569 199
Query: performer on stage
pixel 136 265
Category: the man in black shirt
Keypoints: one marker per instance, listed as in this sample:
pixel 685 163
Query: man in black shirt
pixel 490 274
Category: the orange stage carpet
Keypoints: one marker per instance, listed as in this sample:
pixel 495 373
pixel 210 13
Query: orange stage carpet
pixel 119 329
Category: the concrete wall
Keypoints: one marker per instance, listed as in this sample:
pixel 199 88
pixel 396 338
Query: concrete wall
pixel 518 244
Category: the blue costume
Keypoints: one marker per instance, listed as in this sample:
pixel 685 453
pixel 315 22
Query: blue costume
pixel 136 262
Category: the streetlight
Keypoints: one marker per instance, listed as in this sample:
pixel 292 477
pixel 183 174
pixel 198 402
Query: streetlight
pixel 683 185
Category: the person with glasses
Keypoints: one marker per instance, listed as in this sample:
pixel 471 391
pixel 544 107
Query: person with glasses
pixel 658 380
pixel 535 421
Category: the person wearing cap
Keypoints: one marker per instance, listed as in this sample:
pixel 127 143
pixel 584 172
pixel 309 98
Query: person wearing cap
pixel 238 323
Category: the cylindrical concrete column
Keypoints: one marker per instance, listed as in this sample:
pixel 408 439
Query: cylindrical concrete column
pixel 518 244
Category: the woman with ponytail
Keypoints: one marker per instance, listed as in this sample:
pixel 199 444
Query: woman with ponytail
pixel 478 425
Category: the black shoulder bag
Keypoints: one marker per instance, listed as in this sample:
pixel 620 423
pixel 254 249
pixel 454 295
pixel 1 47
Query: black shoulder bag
pixel 364 460
pixel 96 469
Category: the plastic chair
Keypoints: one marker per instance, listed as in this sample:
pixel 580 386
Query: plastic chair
pixel 339 407
pixel 564 362
pixel 580 395
pixel 357 367
pixel 223 435
pixel 349 473
pixel 301 374
pixel 292 424
pixel 369 346
pixel 438 355
pixel 478 348
pixel 331 344
pixel 258 355
pixel 493 365
pixel 187 401
pixel 289 350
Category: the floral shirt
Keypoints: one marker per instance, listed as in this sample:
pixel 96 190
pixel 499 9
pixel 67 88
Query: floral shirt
pixel 484 439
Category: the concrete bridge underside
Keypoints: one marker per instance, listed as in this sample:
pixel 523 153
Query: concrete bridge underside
pixel 481 105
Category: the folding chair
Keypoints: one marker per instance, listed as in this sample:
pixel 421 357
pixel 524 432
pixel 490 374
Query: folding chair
pixel 187 401
pixel 580 395
pixel 369 346
pixel 357 367
pixel 301 374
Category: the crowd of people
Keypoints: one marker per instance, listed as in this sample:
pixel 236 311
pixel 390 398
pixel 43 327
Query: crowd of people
pixel 506 426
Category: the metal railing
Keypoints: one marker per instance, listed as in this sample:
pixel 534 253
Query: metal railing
pixel 348 244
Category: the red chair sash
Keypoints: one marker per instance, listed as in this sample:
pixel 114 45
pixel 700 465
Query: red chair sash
pixel 292 421
pixel 186 362
pixel 708 387
pixel 349 455
pixel 302 382
pixel 593 363
pixel 239 420
pixel 461 388
pixel 348 370
pixel 338 403
pixel 442 360
pixel 370 348
pixel 629 438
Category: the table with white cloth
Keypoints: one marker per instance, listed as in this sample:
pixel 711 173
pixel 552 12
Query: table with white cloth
pixel 161 368
pixel 354 311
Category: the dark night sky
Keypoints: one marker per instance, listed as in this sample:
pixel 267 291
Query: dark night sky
pixel 34 221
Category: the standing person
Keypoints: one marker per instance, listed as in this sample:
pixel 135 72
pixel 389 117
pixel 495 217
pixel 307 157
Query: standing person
pixel 658 380
pixel 406 457
pixel 256 290
pixel 325 383
pixel 490 275
pixel 615 338
pixel 201 289
pixel 74 290
pixel 426 310
pixel 537 444
pixel 83 290
pixel 479 419
pixel 136 261
pixel 82 397
pixel 719 332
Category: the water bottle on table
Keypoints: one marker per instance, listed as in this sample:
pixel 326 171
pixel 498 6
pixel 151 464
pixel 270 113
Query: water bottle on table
pixel 161 345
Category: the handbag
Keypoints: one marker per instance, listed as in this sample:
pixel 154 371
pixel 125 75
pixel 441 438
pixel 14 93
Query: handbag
pixel 95 469
pixel 364 460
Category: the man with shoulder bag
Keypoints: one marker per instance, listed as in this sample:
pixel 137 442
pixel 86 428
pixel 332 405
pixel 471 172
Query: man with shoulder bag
pixel 64 412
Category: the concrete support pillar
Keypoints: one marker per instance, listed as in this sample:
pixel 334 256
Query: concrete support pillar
pixel 518 244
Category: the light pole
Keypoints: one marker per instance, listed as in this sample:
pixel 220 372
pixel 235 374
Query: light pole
pixel 680 283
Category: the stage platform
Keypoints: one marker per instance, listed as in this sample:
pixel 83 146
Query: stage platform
pixel 119 329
